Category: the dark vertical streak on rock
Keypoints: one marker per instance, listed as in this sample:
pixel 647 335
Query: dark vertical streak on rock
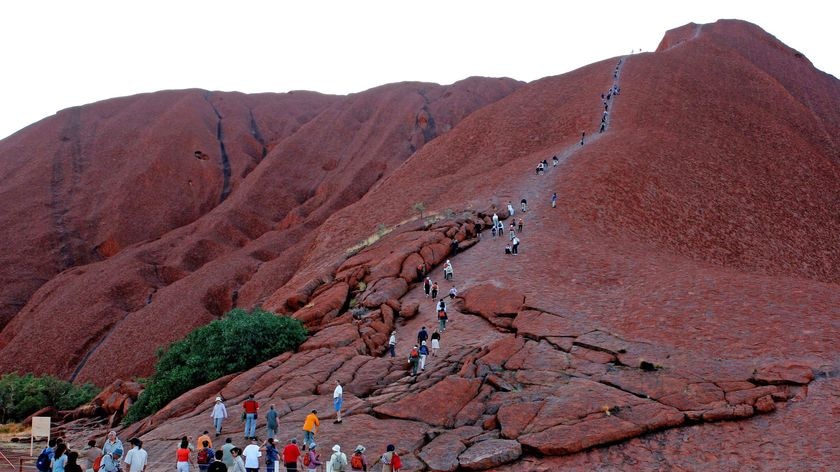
pixel 225 160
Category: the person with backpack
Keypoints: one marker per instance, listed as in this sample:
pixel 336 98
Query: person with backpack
pixel 312 459
pixel 111 462
pixel 414 359
pixel 442 317
pixel 390 460
pixel 219 414
pixel 358 461
pixel 338 460
pixel 205 456
pixel 91 453
pixel 44 461
pixel 60 458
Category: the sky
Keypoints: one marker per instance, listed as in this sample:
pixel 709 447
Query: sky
pixel 59 54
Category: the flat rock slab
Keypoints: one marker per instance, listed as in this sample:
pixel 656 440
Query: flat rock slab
pixel 436 406
pixel 490 453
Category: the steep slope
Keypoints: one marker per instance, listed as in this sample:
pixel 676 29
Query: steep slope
pixel 190 275
pixel 664 298
pixel 84 184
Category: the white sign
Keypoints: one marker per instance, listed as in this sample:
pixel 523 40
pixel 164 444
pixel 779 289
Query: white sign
pixel 41 426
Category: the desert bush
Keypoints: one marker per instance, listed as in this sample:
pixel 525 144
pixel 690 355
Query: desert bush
pixel 238 341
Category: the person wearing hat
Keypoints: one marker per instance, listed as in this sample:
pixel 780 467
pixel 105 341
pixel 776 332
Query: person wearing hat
pixel 338 461
pixel 111 462
pixel 314 459
pixel 358 461
pixel 219 414
pixel 390 460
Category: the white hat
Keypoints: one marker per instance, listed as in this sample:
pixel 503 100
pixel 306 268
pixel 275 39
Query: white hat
pixel 336 448
pixel 218 399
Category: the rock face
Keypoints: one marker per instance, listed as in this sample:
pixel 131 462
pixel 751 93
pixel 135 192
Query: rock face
pixel 685 283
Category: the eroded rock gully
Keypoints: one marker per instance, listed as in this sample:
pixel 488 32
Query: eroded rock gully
pixel 511 382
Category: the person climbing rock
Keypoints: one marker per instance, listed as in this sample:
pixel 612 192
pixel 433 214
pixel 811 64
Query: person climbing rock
pixel 493 231
pixel 250 406
pixel 453 292
pixel 338 401
pixel 427 286
pixel 519 226
pixel 554 200
pixel 448 273
pixel 422 335
pixel 434 290
pixel 424 353
pixel 435 343
pixel 442 316
pixel 310 427
pixel 515 246
pixel 271 422
pixel 390 460
pixel 495 219
pixel 524 205
pixel 555 160
pixel 219 414
pixel 414 359
pixel 510 208
pixel 501 228
pixel 454 246
pixel 392 344
pixel 512 230
pixel 358 461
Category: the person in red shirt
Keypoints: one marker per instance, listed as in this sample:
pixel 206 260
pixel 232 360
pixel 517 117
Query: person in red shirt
pixel 251 408
pixel 291 454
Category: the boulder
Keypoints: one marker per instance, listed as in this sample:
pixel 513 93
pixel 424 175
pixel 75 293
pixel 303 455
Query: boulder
pixel 489 454
pixel 426 406
pixel 441 454
pixel 784 373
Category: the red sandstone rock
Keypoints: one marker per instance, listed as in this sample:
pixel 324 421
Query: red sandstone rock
pixel 427 407
pixel 489 454
pixel 441 454
pixel 791 373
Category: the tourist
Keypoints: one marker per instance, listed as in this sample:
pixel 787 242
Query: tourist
pixel 442 316
pixel 448 274
pixel 205 455
pixel 358 461
pixel 227 457
pixel 390 460
pixel 313 458
pixel 392 344
pixel 182 456
pixel 510 208
pixel 59 458
pixel 422 335
pixel 291 453
pixel 424 352
pixel 310 427
pixel 252 454
pixel 73 465
pixel 136 458
pixel 453 292
pixel 205 436
pixel 238 463
pixel 338 400
pixel 338 460
pixel 271 454
pixel 91 453
pixel 219 414
pixel 554 200
pixel 435 342
pixel 271 422
pixel 427 286
pixel 434 290
pixel 524 205
pixel 219 464
pixel 519 226
pixel 515 247
pixel 112 443
pixel 111 462
pixel 250 406
pixel 414 359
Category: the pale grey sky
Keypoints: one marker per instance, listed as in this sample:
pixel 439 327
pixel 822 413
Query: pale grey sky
pixel 58 54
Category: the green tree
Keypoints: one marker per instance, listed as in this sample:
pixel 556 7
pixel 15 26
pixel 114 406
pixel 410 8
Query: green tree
pixel 234 343
pixel 22 395
pixel 419 207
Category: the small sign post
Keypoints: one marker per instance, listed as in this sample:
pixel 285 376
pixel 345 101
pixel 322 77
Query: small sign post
pixel 40 428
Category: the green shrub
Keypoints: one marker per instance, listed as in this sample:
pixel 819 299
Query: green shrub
pixel 20 396
pixel 234 343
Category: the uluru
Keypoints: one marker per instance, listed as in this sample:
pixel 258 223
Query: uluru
pixel 672 301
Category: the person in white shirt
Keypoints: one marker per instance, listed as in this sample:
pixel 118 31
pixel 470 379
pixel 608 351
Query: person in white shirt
pixel 219 414
pixel 338 399
pixel 136 459
pixel 252 456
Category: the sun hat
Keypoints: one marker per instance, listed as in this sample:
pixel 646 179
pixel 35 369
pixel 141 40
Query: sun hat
pixel 336 448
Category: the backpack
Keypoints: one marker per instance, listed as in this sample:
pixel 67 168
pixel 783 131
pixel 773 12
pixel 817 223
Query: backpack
pixel 43 463
pixel 414 353
pixel 307 459
pixel 340 464
pixel 356 461
pixel 97 464
pixel 204 456
pixel 396 463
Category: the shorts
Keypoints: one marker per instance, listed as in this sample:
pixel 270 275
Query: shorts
pixel 337 401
